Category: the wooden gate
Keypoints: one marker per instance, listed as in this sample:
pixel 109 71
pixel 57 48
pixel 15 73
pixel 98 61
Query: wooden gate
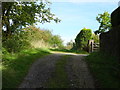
pixel 93 47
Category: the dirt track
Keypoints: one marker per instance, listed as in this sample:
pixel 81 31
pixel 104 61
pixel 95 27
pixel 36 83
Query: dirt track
pixel 42 69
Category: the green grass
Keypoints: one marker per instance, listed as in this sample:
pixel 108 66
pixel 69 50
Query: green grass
pixel 70 51
pixel 15 66
pixel 59 79
pixel 105 69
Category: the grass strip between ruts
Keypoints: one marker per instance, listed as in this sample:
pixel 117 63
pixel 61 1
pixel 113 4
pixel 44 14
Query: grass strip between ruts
pixel 59 78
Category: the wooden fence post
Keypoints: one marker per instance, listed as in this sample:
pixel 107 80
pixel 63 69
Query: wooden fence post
pixel 90 45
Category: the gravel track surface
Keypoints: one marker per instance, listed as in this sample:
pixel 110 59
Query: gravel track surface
pixel 78 72
pixel 42 69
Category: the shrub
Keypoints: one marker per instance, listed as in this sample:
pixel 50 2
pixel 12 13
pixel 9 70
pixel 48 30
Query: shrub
pixel 36 35
pixel 82 38
pixel 16 42
pixel 31 37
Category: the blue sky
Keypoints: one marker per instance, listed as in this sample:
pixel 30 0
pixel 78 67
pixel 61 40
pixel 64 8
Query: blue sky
pixel 75 16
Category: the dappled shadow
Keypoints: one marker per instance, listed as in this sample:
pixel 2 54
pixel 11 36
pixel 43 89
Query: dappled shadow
pixel 15 67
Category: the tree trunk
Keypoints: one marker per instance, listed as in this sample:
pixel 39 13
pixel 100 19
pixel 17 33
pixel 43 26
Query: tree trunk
pixel 5 18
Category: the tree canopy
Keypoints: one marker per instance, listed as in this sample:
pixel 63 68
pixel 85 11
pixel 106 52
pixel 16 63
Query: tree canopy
pixel 18 14
pixel 105 22
pixel 69 44
pixel 56 41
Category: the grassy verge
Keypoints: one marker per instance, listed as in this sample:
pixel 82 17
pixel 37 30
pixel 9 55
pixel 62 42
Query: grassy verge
pixel 15 66
pixel 105 69
pixel 59 79
pixel 70 51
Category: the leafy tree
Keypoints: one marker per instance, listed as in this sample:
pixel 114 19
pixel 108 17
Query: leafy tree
pixel 18 14
pixel 105 22
pixel 56 41
pixel 82 38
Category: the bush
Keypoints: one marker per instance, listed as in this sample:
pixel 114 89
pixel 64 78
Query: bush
pixel 82 38
pixel 16 42
pixel 36 35
pixel 31 37
pixel 4 51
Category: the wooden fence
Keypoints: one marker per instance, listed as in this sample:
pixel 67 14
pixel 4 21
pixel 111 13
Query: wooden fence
pixel 93 47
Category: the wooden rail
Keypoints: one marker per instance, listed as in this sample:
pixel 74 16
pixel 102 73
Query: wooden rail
pixel 93 47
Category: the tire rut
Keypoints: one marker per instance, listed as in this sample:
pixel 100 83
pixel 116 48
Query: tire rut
pixel 78 73
pixel 40 72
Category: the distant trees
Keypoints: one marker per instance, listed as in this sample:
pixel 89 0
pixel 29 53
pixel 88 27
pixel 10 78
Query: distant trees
pixel 69 44
pixel 105 22
pixel 82 38
pixel 56 41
